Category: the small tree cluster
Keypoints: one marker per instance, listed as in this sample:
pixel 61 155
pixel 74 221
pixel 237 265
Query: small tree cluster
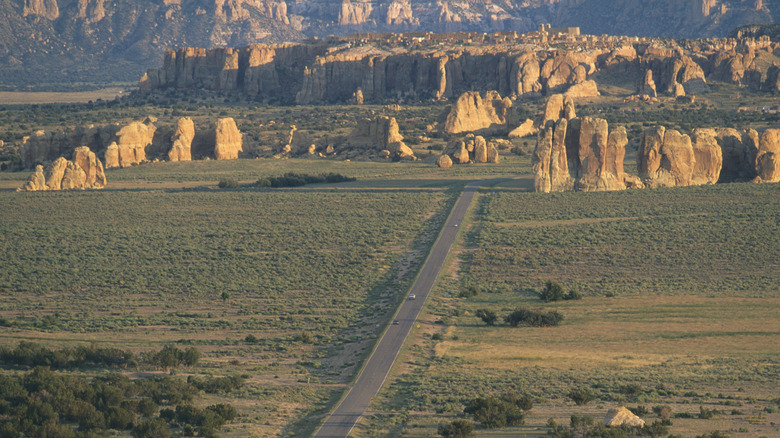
pixel 170 357
pixel 468 293
pixel 554 292
pixel 204 421
pixel 456 429
pixel 497 412
pixel 487 315
pixel 583 426
pixel 291 179
pixel 227 183
pixel 216 385
pixel 533 318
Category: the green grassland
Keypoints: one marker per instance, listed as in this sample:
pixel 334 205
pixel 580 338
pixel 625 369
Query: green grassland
pixel 287 288
pixel 680 305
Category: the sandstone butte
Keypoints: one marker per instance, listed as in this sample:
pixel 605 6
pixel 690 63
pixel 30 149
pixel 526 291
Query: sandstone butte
pixel 470 149
pixel 444 66
pixel 581 154
pixel 471 113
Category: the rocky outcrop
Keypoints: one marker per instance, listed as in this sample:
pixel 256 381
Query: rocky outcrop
pixel 579 154
pixel 132 141
pixel 84 172
pixel 665 158
pixel 708 157
pixel 94 176
pixel 558 107
pixel 181 141
pixel 583 89
pixel 228 141
pixel 622 417
pixel 768 157
pixel 473 113
pixel 525 129
pixel 646 85
pixel 739 150
pixel 378 134
pixel 47 9
pixel 471 149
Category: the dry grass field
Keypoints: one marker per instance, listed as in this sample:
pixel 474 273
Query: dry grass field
pixel 46 97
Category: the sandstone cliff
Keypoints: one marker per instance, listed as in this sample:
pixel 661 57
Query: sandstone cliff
pixel 228 140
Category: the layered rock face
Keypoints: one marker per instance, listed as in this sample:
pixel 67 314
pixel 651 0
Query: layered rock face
pixel 708 157
pixel 473 113
pixel 84 172
pixel 131 144
pixel 665 158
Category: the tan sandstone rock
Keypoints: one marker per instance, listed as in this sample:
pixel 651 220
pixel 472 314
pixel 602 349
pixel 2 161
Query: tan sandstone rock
pixel 768 157
pixel 622 417
pixel 646 85
pixel 37 181
pixel 132 141
pixel 73 178
pixel 55 172
pixel 586 88
pixel 665 158
pixel 94 176
pixel 558 107
pixel 227 140
pixel 444 161
pixel 473 113
pixel 377 134
pixel 181 141
pixel 525 129
pixel 708 157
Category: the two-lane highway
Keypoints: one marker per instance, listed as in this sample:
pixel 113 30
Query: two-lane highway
pixel 376 369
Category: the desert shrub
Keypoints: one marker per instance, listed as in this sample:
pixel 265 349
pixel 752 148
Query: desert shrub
pixel 227 183
pixel 581 396
pixel 487 315
pixel 664 412
pixel 706 414
pixel 291 179
pixel 533 318
pixel 468 293
pixel 216 385
pixel 456 429
pixel 497 412
pixel 551 292
pixel 156 428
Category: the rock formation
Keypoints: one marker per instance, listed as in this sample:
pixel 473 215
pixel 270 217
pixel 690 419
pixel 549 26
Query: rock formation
pixel 378 134
pixel 525 129
pixel 131 144
pixel 444 161
pixel 583 89
pixel 646 86
pixel 708 157
pixel 579 154
pixel 665 158
pixel 471 149
pixel 622 417
pixel 768 157
pixel 472 113
pixel 227 140
pixel 84 172
pixel 558 107
pixel 739 150
pixel 85 159
pixel 181 147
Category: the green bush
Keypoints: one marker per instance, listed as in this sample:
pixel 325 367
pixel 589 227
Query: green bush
pixel 228 183
pixel 456 429
pixel 551 292
pixel 487 315
pixel 581 396
pixel 497 412
pixel 533 318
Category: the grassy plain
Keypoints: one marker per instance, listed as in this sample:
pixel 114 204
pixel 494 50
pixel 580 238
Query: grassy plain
pixel 287 288
pixel 680 308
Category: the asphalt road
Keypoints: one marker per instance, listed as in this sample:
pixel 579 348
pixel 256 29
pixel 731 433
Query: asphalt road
pixel 374 373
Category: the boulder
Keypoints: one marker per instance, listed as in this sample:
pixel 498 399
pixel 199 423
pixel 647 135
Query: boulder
pixel 480 150
pixel 68 175
pixel 708 157
pixel 227 139
pixel 768 157
pixel 525 129
pixel 445 162
pixel 622 417
pixel 492 153
pixel 471 112
pixel 181 140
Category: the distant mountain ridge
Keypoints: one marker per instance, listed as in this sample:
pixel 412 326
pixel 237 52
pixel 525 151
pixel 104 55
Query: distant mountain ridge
pixel 51 41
